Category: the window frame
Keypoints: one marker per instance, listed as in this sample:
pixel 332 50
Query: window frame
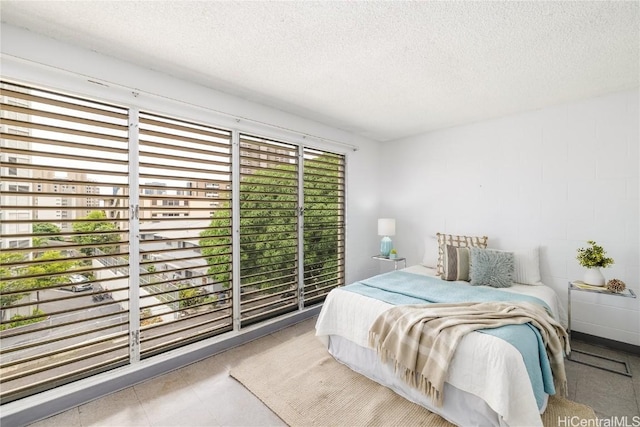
pixel 199 114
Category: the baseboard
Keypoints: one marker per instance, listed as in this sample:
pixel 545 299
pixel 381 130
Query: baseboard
pixel 605 342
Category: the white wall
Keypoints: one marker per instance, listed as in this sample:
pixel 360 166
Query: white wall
pixel 34 59
pixel 555 177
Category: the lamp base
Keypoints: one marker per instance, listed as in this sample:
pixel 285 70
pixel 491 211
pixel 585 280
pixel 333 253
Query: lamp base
pixel 385 246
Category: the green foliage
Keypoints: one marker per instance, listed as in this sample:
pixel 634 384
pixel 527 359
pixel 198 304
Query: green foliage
pixel 190 297
pixel 268 224
pixel 269 227
pixel 215 246
pixel 10 280
pixel 594 256
pixel 146 318
pixel 15 279
pixel 19 320
pixel 96 233
pixel 323 219
pixel 48 229
pixel 49 269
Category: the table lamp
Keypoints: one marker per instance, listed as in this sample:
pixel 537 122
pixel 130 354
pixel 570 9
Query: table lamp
pixel 386 228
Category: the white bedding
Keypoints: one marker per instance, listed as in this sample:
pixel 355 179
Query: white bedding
pixel 483 365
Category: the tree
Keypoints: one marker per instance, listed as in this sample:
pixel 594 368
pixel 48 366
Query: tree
pixel 215 244
pixel 47 228
pixel 269 224
pixel 269 235
pixel 16 281
pixel 48 272
pixel 323 219
pixel 51 232
pixel 268 245
pixel 11 285
pixel 96 232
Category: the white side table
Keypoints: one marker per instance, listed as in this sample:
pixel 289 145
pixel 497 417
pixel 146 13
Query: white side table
pixel 394 260
pixel 578 286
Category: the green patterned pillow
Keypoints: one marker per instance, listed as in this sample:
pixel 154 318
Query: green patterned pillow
pixel 492 268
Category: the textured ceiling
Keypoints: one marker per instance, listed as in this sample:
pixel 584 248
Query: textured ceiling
pixel 383 70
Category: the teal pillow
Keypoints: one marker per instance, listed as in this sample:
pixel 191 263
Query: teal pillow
pixel 491 268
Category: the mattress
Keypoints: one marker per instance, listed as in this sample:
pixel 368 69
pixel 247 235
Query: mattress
pixel 487 382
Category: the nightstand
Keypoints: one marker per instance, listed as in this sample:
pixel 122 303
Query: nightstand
pixel 394 260
pixel 581 287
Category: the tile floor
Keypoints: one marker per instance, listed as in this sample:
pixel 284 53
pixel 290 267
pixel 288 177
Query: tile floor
pixel 203 394
pixel 610 395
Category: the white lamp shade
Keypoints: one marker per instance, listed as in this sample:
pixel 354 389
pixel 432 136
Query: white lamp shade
pixel 386 227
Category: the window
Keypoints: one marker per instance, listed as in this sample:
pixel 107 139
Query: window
pixel 67 334
pixel 12 171
pixel 269 206
pixel 324 224
pixel 18 244
pixel 176 191
pixel 271 216
pixel 177 307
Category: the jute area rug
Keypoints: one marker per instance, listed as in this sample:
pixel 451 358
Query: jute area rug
pixel 305 386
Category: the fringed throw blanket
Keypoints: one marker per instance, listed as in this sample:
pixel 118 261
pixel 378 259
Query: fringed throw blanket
pixel 421 339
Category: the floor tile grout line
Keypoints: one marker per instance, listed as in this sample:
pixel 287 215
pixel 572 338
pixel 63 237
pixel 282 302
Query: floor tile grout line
pixel 144 411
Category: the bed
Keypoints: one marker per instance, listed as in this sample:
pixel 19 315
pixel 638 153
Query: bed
pixel 487 384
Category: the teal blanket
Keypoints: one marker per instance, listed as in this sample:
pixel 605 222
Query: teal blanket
pixel 401 288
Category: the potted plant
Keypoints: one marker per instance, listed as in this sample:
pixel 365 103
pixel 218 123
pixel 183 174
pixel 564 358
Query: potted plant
pixel 593 258
pixel 393 254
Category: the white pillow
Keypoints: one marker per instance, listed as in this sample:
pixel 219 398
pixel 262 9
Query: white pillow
pixel 527 262
pixel 430 257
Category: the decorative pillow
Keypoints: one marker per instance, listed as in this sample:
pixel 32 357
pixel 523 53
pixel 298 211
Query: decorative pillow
pixel 456 263
pixel 492 268
pixel 458 241
pixel 527 265
pixel 430 257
